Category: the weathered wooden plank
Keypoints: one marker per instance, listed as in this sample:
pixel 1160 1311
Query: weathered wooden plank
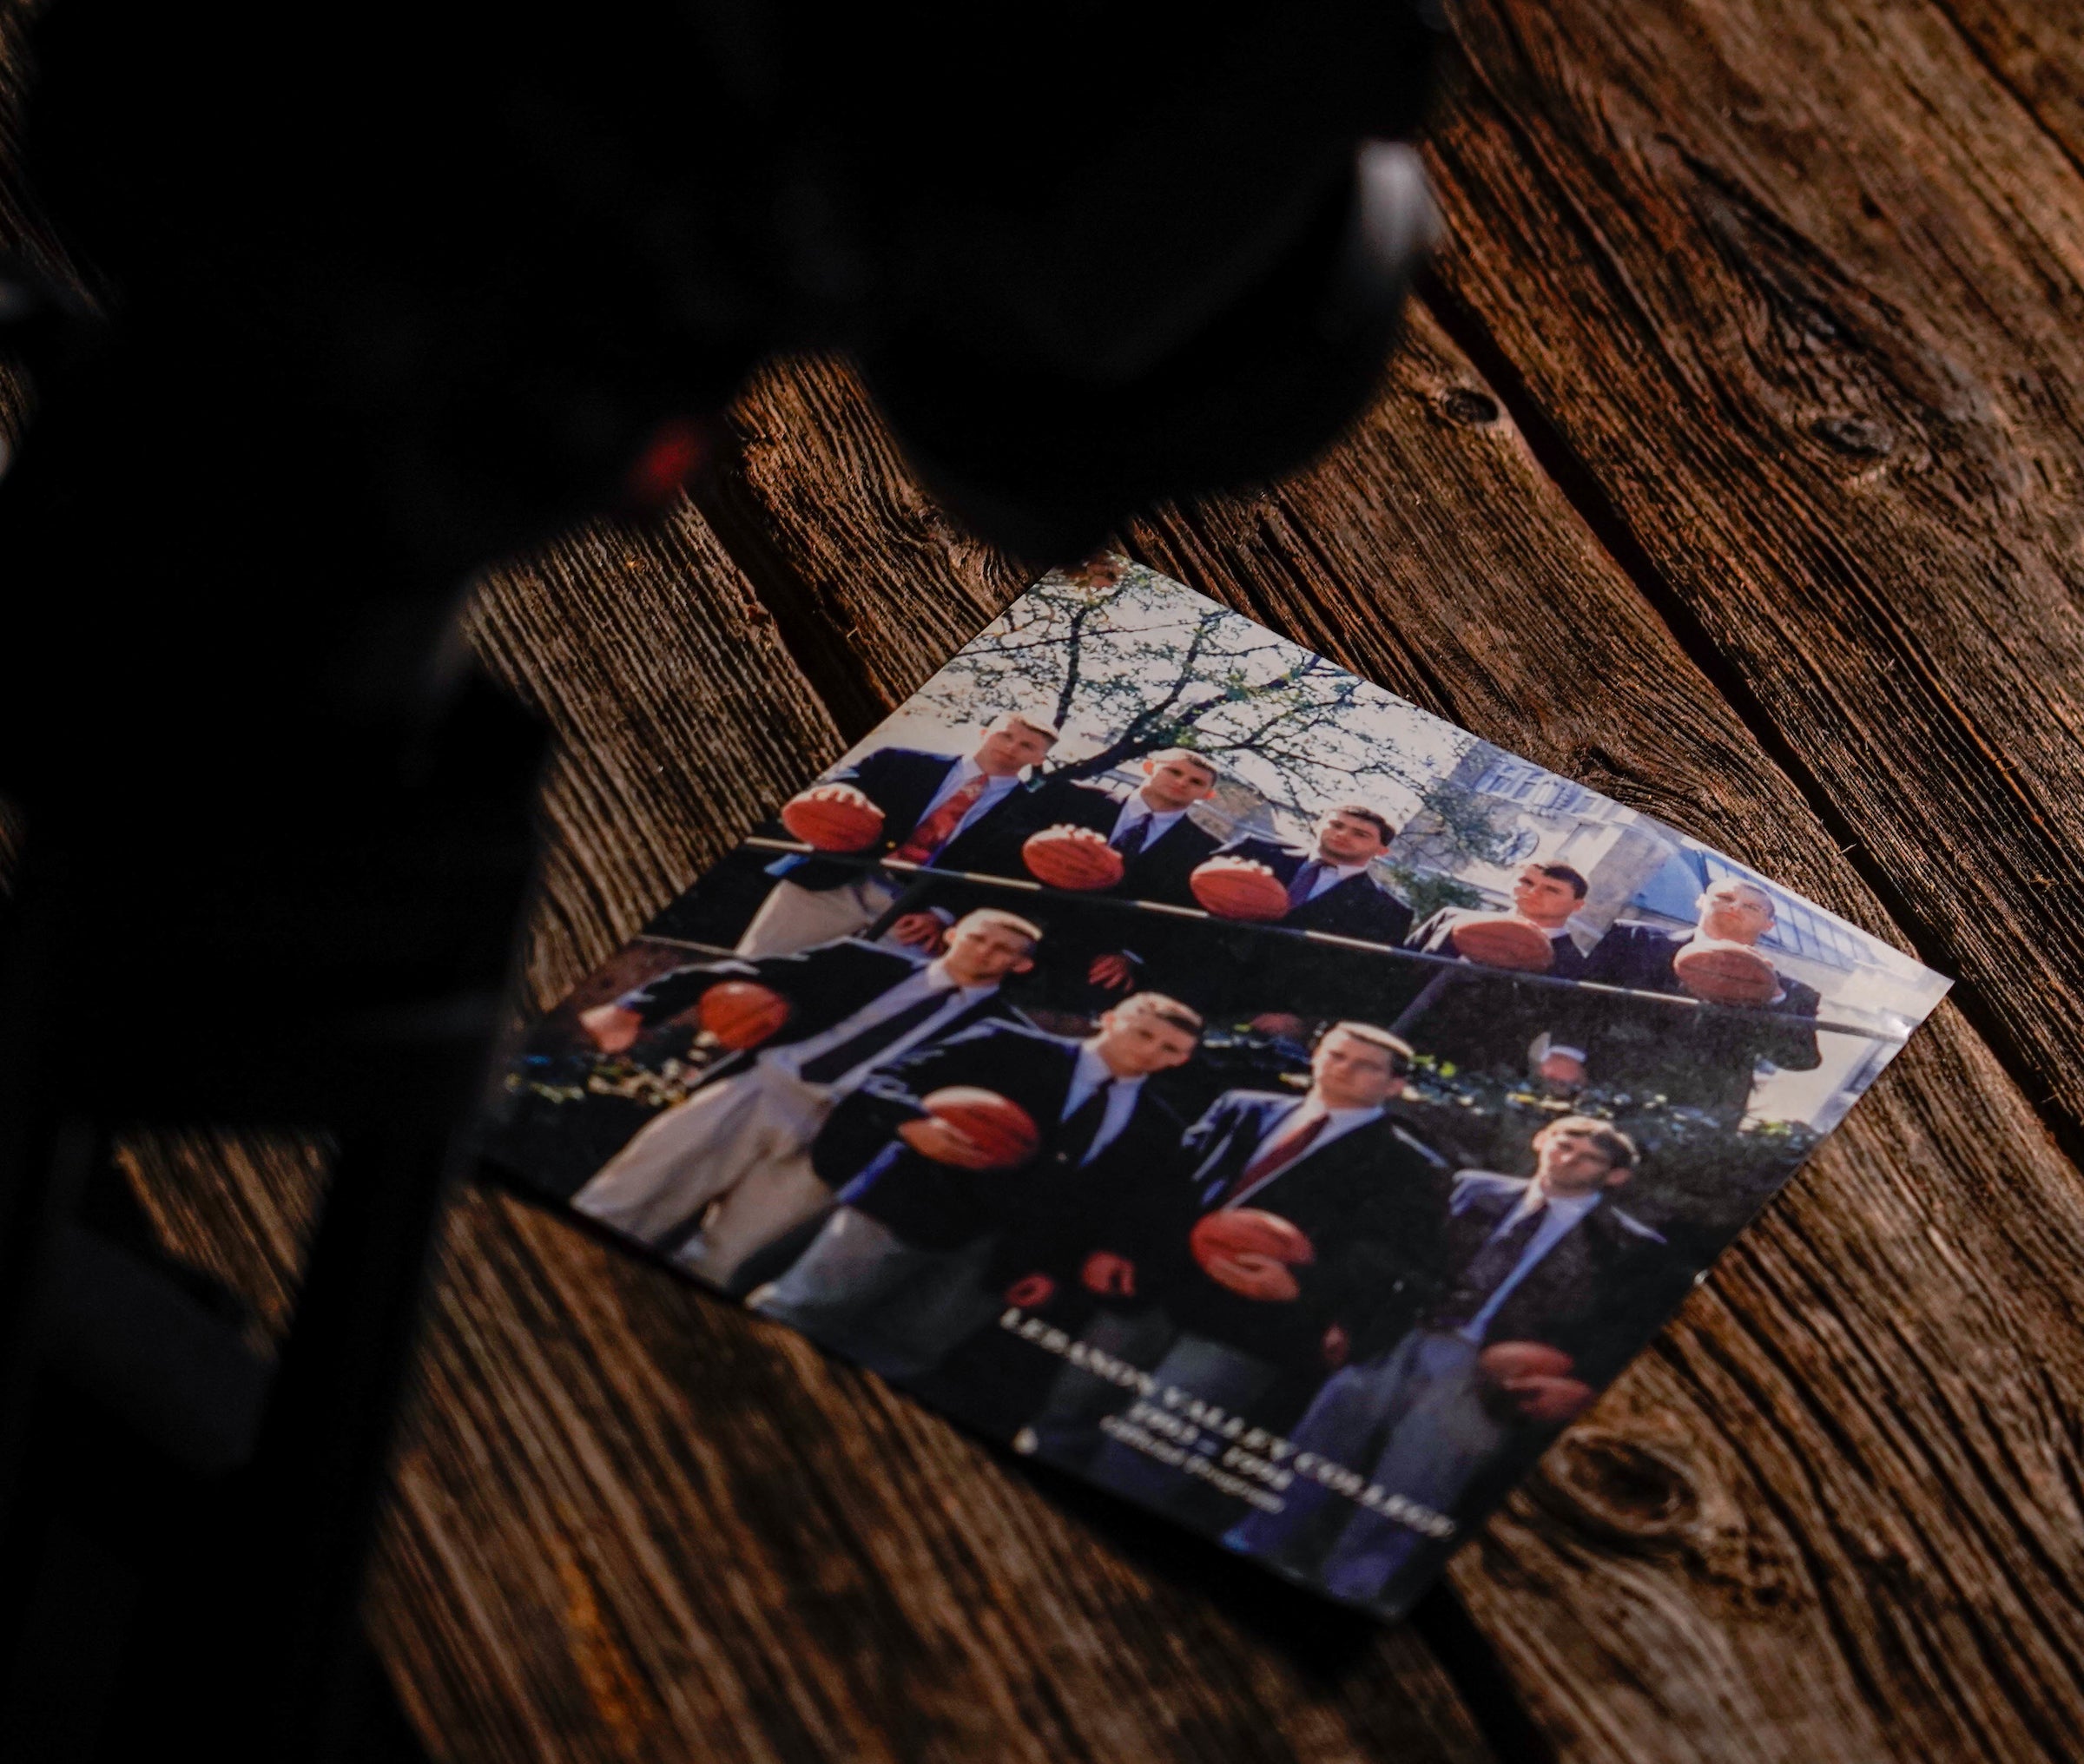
pixel 2035 46
pixel 681 716
pixel 631 1522
pixel 877 585
pixel 1759 1546
pixel 1750 1549
pixel 1799 286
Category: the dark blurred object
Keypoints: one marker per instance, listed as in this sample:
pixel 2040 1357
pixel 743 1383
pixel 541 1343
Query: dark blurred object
pixel 344 307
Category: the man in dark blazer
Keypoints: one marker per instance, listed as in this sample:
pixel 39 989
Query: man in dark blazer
pixel 928 1232
pixel 1161 847
pixel 1369 1199
pixel 1705 1058
pixel 1149 826
pixel 1329 889
pixel 1547 1262
pixel 718 1177
pixel 1485 1019
pixel 947 811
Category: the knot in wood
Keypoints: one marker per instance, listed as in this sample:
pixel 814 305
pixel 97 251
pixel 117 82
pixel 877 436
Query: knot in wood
pixel 1624 1489
pixel 1856 437
pixel 1469 407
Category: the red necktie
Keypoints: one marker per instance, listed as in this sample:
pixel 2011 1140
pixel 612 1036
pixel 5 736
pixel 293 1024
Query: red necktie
pixel 932 833
pixel 1277 1156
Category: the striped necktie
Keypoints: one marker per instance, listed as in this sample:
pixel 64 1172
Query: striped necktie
pixel 1277 1154
pixel 935 829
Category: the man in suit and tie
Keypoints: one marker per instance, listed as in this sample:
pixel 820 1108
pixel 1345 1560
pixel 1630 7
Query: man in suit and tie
pixel 1705 1058
pixel 716 1178
pixel 1545 1263
pixel 1368 1198
pixel 1329 889
pixel 1543 894
pixel 1486 1021
pixel 947 811
pixel 929 1231
pixel 1160 847
pixel 1329 885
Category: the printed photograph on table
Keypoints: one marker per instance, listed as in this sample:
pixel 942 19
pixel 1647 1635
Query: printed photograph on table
pixel 1201 1069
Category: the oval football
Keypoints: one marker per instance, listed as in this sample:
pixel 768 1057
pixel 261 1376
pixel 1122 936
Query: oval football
pixel 1072 858
pixel 1238 888
pixel 1005 1130
pixel 833 817
pixel 1503 940
pixel 742 1013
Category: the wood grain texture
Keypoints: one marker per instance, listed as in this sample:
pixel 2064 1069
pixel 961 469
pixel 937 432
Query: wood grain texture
pixel 681 722
pixel 1799 288
pixel 1758 1546
pixel 2037 50
pixel 631 1522
pixel 1747 1551
pixel 877 586
pixel 1795 291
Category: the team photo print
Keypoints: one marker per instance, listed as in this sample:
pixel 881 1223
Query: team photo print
pixel 1203 1071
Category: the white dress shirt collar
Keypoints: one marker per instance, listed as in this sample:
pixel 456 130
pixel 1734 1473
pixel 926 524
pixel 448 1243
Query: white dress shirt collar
pixel 1329 875
pixel 1341 1122
pixel 1338 1122
pixel 1137 807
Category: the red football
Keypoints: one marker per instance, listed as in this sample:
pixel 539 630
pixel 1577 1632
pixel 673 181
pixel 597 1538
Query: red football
pixel 1519 1360
pixel 1725 973
pixel 833 817
pixel 1503 940
pixel 1238 888
pixel 741 1013
pixel 1246 1230
pixel 998 1123
pixel 1071 857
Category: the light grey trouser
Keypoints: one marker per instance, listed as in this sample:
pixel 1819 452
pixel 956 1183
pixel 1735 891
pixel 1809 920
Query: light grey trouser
pixel 1414 1422
pixel 1067 1425
pixel 736 1155
pixel 1214 1370
pixel 898 1309
pixel 792 918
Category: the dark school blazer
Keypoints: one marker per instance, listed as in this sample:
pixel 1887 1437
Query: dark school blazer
pixel 1372 1203
pixel 1481 1019
pixel 1047 1212
pixel 1172 955
pixel 1159 871
pixel 1702 1059
pixel 1594 1295
pixel 1262 971
pixel 902 782
pixel 1359 907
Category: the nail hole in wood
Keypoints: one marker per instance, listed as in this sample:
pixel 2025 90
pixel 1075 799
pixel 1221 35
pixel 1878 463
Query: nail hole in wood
pixel 1472 409
pixel 1856 437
